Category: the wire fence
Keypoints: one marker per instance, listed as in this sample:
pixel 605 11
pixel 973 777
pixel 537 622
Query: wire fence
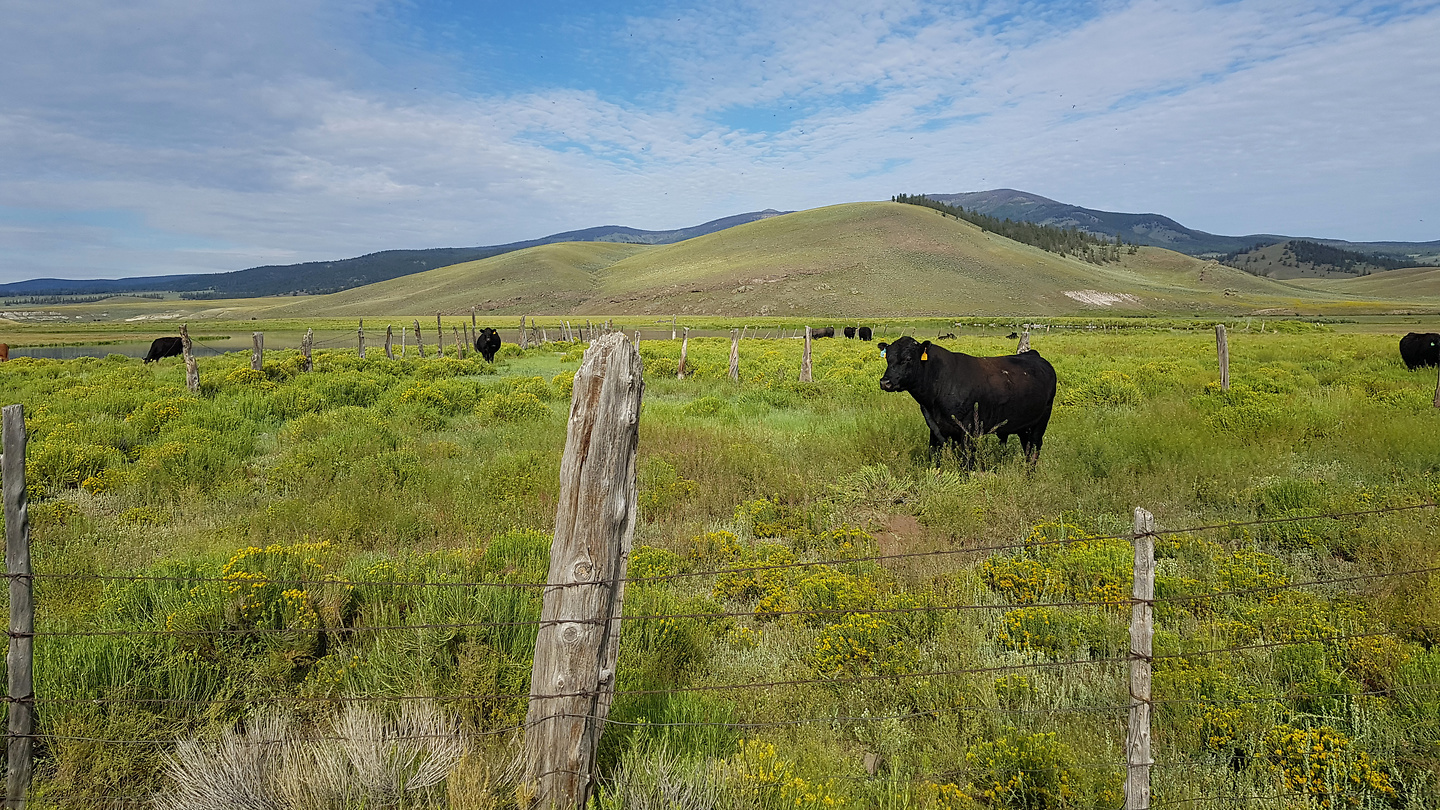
pixel 1019 662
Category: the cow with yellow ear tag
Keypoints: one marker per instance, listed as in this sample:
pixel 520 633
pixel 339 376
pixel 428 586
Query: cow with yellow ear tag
pixel 963 398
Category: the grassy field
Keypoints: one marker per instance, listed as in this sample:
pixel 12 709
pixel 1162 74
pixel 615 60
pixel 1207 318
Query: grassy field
pixel 376 486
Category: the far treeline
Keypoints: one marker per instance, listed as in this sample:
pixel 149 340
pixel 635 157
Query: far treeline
pixel 1064 241
pixel 1314 254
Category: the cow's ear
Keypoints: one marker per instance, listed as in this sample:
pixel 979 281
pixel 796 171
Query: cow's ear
pixel 882 347
pixel 925 351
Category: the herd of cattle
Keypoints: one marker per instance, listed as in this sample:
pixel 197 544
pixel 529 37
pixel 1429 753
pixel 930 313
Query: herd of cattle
pixel 961 397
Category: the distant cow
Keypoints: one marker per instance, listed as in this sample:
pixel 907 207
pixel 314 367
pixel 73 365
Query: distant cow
pixel 824 331
pixel 864 333
pixel 1419 349
pixel 164 347
pixel 947 336
pixel 487 343
pixel 850 332
pixel 4 352
pixel 964 397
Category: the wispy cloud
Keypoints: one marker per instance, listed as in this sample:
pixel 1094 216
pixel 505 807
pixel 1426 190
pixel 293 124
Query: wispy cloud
pixel 160 137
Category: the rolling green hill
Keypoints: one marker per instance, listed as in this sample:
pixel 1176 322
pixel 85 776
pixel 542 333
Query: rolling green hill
pixel 859 259
pixel 876 259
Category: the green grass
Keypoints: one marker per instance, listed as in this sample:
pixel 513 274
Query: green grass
pixel 407 472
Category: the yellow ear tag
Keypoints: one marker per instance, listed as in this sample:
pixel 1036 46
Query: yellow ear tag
pixel 924 356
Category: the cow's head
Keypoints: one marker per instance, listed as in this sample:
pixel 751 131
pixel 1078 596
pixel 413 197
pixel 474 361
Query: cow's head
pixel 903 361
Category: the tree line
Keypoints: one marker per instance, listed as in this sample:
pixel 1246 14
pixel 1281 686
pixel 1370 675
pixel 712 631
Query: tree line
pixel 1063 241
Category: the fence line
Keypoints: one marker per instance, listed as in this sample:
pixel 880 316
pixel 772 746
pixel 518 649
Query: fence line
pixel 838 561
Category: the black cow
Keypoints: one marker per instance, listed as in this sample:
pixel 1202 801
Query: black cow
pixel 850 332
pixel 487 343
pixel 1419 349
pixel 824 331
pixel 864 333
pixel 164 347
pixel 964 397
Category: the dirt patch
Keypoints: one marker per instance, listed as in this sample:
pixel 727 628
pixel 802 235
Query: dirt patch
pixel 902 533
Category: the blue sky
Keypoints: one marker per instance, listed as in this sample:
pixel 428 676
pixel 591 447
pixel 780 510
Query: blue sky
pixel 174 136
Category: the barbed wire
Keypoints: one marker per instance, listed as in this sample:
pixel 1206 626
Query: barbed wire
pixel 832 562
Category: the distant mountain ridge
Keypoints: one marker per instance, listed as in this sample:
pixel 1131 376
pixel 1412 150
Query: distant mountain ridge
pixel 1153 229
pixel 315 278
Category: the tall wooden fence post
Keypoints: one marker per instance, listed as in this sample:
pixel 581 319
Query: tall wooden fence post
pixel 459 344
pixel 257 351
pixel 192 371
pixel 805 358
pixel 1222 348
pixel 685 348
pixel 307 343
pixel 419 342
pixel 573 680
pixel 439 337
pixel 21 657
pixel 403 329
pixel 1024 343
pixel 1142 630
pixel 735 355
pixel 360 335
pixel 389 340
pixel 524 343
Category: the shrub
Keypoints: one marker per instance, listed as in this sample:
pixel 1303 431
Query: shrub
pixel 1031 771
pixel 860 645
pixel 521 406
pixel 762 778
pixel 1323 765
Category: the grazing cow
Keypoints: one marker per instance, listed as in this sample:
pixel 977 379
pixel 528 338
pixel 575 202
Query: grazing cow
pixel 850 332
pixel 1012 336
pixel 487 343
pixel 4 352
pixel 864 333
pixel 164 347
pixel 824 331
pixel 946 336
pixel 1419 349
pixel 964 397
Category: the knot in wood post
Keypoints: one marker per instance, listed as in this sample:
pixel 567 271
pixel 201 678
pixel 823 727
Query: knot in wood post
pixel 578 643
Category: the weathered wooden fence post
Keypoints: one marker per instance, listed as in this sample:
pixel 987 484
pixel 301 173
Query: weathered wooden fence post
pixel 1222 348
pixel 472 319
pixel 672 327
pixel 439 337
pixel 735 355
pixel 524 344
pixel 1437 391
pixel 192 371
pixel 360 335
pixel 306 344
pixel 1142 630
pixel 1024 343
pixel 573 680
pixel 459 344
pixel 685 347
pixel 257 352
pixel 389 339
pixel 21 657
pixel 419 341
pixel 805 358
pixel 637 337
pixel 403 328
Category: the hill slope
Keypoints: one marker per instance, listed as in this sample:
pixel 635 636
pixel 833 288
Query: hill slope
pixel 853 260
pixel 1154 229
pixel 342 274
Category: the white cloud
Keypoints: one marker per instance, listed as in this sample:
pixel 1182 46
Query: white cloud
pixel 239 134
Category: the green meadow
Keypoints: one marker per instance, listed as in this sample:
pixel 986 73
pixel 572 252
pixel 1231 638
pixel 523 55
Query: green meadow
pixel 288 562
